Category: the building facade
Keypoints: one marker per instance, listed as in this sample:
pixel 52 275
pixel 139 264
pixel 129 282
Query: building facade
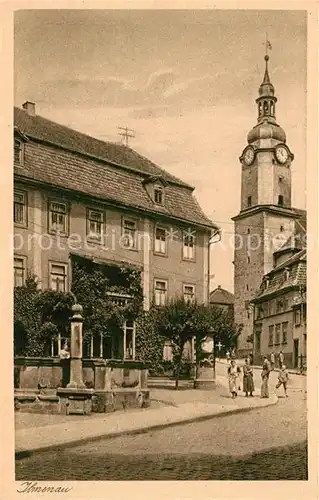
pixel 266 220
pixel 79 197
pixel 280 322
pixel 222 299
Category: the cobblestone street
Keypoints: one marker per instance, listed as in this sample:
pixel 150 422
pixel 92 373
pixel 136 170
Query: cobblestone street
pixel 267 443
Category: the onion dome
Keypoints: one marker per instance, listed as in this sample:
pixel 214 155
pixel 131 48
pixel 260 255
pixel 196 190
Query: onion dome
pixel 266 130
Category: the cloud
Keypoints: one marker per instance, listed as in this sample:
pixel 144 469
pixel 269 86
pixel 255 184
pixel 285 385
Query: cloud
pixel 159 81
pixel 188 85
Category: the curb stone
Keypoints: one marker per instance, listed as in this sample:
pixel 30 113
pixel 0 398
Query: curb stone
pixel 23 453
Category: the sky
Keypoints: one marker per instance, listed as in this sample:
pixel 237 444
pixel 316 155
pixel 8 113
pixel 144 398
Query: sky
pixel 185 81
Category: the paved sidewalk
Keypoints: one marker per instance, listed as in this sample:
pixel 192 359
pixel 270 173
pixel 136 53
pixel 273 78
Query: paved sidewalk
pixel 182 406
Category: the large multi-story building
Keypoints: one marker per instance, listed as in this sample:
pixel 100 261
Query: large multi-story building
pixel 266 222
pixel 76 196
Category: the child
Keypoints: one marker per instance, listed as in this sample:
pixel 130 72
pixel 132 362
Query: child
pixel 283 379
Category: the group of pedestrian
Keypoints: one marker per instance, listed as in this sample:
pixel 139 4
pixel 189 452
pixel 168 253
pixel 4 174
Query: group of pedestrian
pixel 234 372
pixel 280 360
pixel 234 378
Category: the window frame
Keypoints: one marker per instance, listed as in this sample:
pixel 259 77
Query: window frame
pixel 297 314
pixel 279 306
pixel 51 230
pixel 284 332
pixel 249 201
pixel 271 335
pixel 23 259
pixel 24 223
pixel 189 285
pixel 277 333
pixel 130 220
pixel 157 252
pixel 260 312
pixel 90 236
pixel 186 234
pixel 21 152
pixel 125 330
pixel 158 188
pixel 66 276
pixel 159 280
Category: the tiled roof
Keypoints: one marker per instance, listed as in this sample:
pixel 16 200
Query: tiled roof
pixel 297 265
pixel 64 163
pixel 301 224
pixel 221 296
pixel 43 129
pixel 300 256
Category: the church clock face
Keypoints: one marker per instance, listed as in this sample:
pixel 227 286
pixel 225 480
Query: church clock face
pixel 249 156
pixel 281 154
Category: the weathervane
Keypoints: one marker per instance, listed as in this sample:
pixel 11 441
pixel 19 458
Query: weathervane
pixel 267 44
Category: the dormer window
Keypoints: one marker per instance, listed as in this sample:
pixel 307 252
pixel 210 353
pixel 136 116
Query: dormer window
pixel 18 152
pixel 266 283
pixel 155 187
pixel 286 274
pixel 158 195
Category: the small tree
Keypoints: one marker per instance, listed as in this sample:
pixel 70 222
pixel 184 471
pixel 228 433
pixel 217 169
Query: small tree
pixel 26 319
pixel 180 321
pixel 226 331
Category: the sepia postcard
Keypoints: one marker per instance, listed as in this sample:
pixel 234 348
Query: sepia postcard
pixel 159 203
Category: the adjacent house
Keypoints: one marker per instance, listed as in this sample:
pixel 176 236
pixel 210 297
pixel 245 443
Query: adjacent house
pixel 222 298
pixel 77 198
pixel 280 322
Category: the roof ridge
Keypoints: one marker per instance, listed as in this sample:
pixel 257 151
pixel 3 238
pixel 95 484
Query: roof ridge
pixel 170 177
pixel 291 260
pixel 185 184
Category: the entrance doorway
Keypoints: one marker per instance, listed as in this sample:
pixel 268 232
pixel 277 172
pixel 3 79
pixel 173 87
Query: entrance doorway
pixel 296 352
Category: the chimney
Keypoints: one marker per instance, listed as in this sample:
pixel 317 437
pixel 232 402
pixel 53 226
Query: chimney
pixel 29 107
pixel 219 287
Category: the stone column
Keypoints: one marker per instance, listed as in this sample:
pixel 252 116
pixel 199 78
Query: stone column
pixel 76 377
pixel 205 373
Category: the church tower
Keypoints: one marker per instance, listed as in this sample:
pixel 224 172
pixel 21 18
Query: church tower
pixel 266 219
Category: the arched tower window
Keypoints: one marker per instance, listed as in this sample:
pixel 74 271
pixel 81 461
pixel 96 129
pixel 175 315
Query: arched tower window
pixel 266 108
pixel 272 108
pixel 260 109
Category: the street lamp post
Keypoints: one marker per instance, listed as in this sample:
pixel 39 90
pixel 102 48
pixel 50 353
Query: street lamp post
pixel 205 373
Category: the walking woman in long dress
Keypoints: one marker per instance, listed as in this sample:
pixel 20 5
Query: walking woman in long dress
pixel 264 391
pixel 248 380
pixel 232 378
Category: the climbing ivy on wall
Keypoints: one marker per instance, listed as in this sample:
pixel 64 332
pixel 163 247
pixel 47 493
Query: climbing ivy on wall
pixel 149 343
pixel 92 285
pixel 40 316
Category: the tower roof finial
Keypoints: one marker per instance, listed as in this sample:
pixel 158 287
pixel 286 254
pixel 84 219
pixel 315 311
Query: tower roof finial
pixel 266 87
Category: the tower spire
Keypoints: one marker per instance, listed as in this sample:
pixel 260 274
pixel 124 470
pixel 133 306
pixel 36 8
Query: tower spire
pixel 266 80
pixel 266 100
